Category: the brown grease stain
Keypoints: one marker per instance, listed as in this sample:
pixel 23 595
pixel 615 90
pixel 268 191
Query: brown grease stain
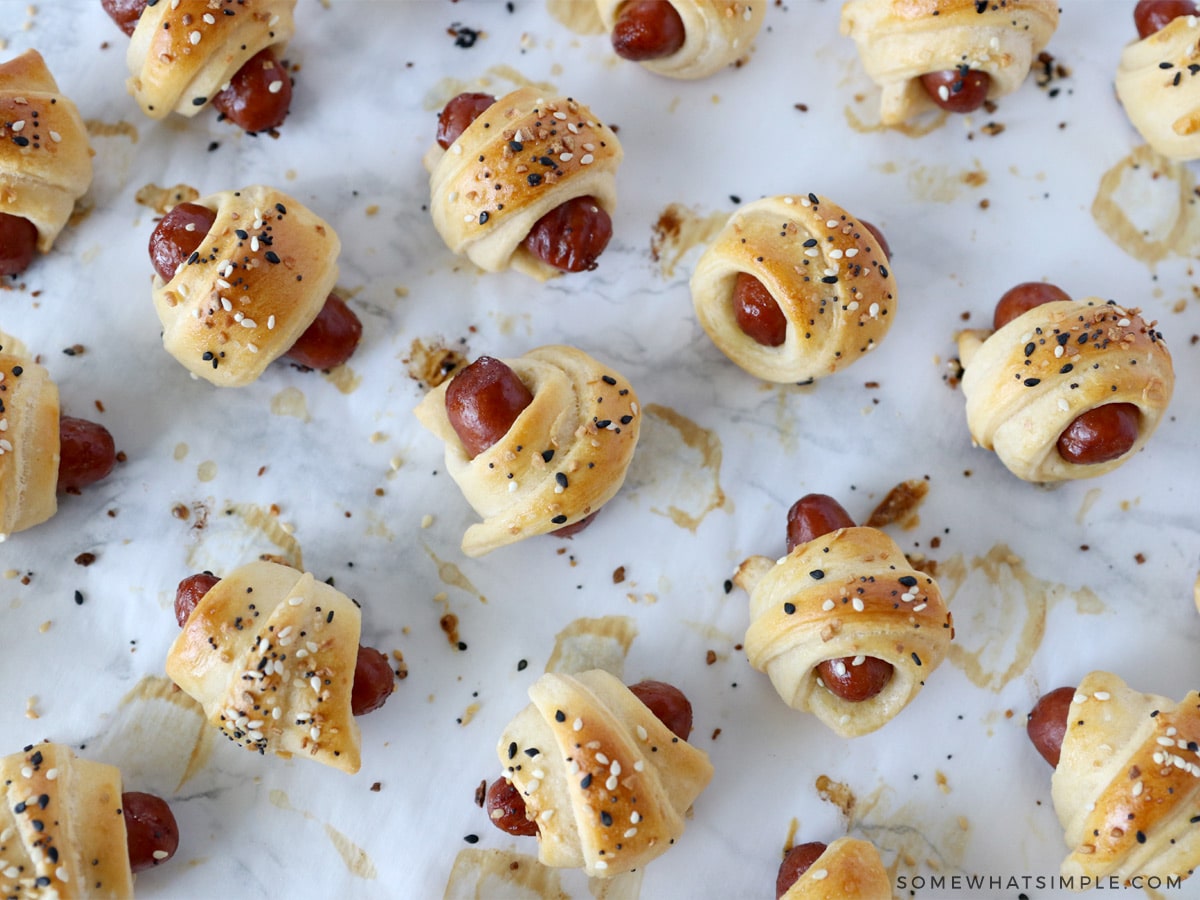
pixel 485 873
pixel 355 858
pixel 1009 620
pixel 579 17
pixel 908 129
pixel 449 625
pixel 593 644
pixel 1174 229
pixel 163 199
pixel 937 184
pixel 268 524
pixel 344 378
pixel 100 128
pixel 291 402
pixel 432 364
pixel 790 840
pixel 451 575
pixel 708 445
pixel 679 229
pixel 937 847
pixel 900 505
pixel 469 714
pixel 153 689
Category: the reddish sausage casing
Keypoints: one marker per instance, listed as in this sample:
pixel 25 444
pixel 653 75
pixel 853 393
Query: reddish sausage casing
pixel 151 832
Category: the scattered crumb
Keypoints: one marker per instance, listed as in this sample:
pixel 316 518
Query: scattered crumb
pixel 716 733
pixel 45 626
pixel 710 657
pixel 426 520
pixel 401 669
pixel 618 574
pixel 900 505
pixel 85 559
pixel 480 793
pixel 376 787
pixel 1139 558
pixel 31 708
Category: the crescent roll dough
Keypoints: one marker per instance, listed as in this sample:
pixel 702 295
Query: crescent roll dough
pixel 521 158
pixel 1156 86
pixel 1127 786
pixel 269 652
pixel 258 280
pixel 845 594
pixel 849 869
pixel 607 783
pixel 564 457
pixel 717 33
pixel 1028 381
pixel 183 52
pixel 62 830
pixel 826 272
pixel 45 157
pixel 901 40
pixel 29 441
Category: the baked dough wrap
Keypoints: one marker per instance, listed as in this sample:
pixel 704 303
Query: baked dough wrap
pixel 607 783
pixel 270 652
pixel 826 271
pixel 258 280
pixel 1156 85
pixel 849 869
pixel 717 33
pixel 62 830
pixel 901 40
pixel 45 157
pixel 563 458
pixel 848 593
pixel 1127 786
pixel 183 52
pixel 29 441
pixel 1025 383
pixel 486 194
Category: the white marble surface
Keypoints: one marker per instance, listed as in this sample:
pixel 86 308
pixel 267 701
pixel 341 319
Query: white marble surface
pixel 354 480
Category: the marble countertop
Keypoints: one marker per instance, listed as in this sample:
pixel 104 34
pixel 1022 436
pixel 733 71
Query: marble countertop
pixel 334 473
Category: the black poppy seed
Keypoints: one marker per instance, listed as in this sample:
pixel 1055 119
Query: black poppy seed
pixel 813 199
pixel 38 825
pixel 561 479
pixel 625 420
pixel 559 716
pixel 1032 382
pixel 483 217
pixel 42 881
pixel 329 618
pixel 1065 369
pixel 602 423
pixel 512 749
pixel 817 574
pixel 811 242
pixel 908 580
pixel 605 819
pixel 830 279
pixel 608 379
pixel 789 608
pixel 547 455
pixel 79 598
pixel 883 271
pixel 916 658
pixel 272 256
pixel 281 209
pixel 1029 348
pixel 559 520
pixel 1141 837
pixel 43 800
pixel 471 838
pixel 586 782
pixel 19 808
pixel 242 234
pixel 531 752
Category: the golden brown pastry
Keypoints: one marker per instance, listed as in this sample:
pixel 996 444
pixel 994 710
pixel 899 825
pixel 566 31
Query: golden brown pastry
pixel 564 456
pixel 899 41
pixel 1156 85
pixel 45 159
pixel 1127 785
pixel 1028 381
pixel 270 654
pixel 184 52
pixel 260 277
pixel 715 34
pixel 62 830
pixel 848 869
pixel 521 158
pixel 607 783
pixel 29 442
pixel 844 598
pixel 826 273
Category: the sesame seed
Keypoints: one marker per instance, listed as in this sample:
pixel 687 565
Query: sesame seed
pixel 1102 695
pixel 577 725
pixel 822 874
pixel 857 604
pixel 194 37
pixel 275 86
pixel 828 605
pixel 587 159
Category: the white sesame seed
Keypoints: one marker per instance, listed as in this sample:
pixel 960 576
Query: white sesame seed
pixel 587 159
pixel 270 322
pixel 160 854
pixel 254 736
pixel 275 86
pixel 639 765
pixel 208 17
pixel 456 149
pixel 641 733
pixel 873 310
pixel 532 786
pixel 602 759
pixel 615 768
pixel 238 316
pixel 225 304
pixel 56 137
pixel 820 874
pixel 253 348
pixel 1164 742
pixel 512 487
pixel 295 601
pixel 254 244
pixel 835 254
pixel 248 323
pixel 546 814
pixel 468 218
pixel 858 605
pixel 1079 698
pixel 611 783
pixel 561 116
pixel 61 874
pixel 17 126
pixel 828 605
pixel 314 733
pixel 851 253
pixel 920 606
pixel 277 713
pixel 601 864
pixel 944 93
pixel 573 128
pixel 27 771
pixel 589 147
pixel 1137 789
pixel 315 683
pixel 629 832
pixel 1123 323
pixel 1102 695
pixel 51 774
pixel 839 668
pixel 194 37
pixel 577 725
pixel 566 157
pixel 908 597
